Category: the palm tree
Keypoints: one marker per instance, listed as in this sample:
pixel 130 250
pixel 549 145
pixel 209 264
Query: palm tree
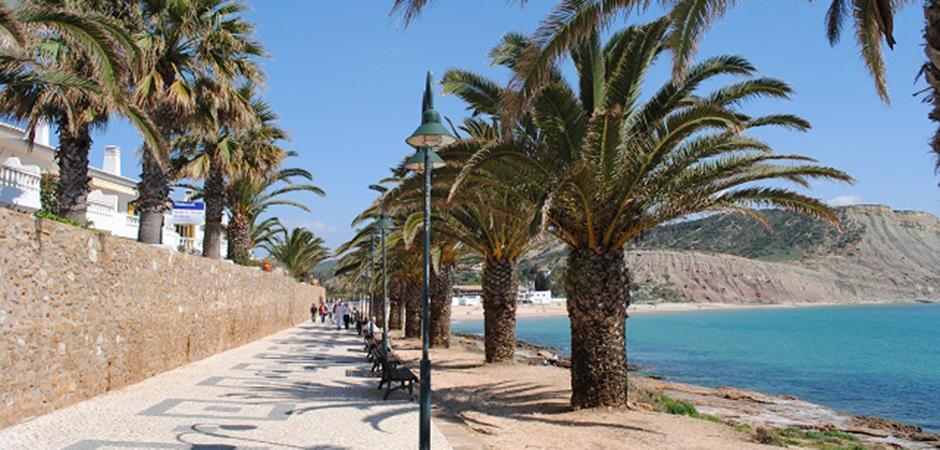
pixel 266 231
pixel 68 66
pixel 186 42
pixel 498 225
pixel 299 251
pixel 404 271
pixel 572 21
pixel 447 253
pixel 248 196
pixel 615 166
pixel 224 147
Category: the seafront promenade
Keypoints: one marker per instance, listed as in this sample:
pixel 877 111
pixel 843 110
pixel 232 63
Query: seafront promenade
pixel 303 388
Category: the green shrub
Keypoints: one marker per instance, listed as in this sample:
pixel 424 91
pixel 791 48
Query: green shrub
pixel 48 199
pixel 45 215
pixel 664 403
pixel 823 440
pixel 678 407
pixel 770 436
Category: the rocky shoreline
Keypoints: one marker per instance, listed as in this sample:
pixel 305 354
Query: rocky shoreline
pixel 739 407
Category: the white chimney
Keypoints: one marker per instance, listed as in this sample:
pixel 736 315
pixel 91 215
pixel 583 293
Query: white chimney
pixel 42 133
pixel 112 160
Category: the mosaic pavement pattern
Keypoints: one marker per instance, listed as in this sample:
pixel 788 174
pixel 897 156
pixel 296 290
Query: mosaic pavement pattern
pixel 304 388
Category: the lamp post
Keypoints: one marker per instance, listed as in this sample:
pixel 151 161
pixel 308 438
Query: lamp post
pixel 372 255
pixel 384 224
pixel 430 135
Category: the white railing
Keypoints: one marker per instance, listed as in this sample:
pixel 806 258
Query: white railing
pixel 102 208
pixel 19 185
pixel 190 245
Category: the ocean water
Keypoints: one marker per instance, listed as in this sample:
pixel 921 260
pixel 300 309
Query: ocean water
pixel 880 360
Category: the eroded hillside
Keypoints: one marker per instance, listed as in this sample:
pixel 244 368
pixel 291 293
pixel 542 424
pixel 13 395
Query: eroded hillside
pixel 879 255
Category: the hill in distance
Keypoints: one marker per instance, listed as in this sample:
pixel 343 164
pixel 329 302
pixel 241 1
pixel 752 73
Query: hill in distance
pixel 879 255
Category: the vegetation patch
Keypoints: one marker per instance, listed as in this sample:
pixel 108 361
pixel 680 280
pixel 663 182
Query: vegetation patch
pixel 641 292
pixel 664 403
pixel 821 439
pixel 785 437
pixel 46 215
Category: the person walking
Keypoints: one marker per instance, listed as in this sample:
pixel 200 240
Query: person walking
pixel 344 315
pixel 322 312
pixel 338 313
pixel 313 312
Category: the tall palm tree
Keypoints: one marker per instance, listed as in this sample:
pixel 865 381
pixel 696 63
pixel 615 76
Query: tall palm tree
pixel 266 231
pixel 68 66
pixel 447 253
pixel 299 251
pixel 615 165
pixel 225 146
pixel 404 271
pixel 185 41
pixel 572 21
pixel 498 225
pixel 248 196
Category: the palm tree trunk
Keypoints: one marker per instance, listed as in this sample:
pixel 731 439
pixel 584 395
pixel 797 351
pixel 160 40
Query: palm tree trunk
pixel 215 203
pixel 499 310
pixel 239 238
pixel 413 296
pixel 442 294
pixel 153 189
pixel 378 312
pixel 396 304
pixel 72 158
pixel 932 67
pixel 598 290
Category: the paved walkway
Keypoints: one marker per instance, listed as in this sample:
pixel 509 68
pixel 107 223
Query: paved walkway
pixel 303 388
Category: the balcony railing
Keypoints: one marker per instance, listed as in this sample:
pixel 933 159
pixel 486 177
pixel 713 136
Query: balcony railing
pixel 19 185
pixel 190 245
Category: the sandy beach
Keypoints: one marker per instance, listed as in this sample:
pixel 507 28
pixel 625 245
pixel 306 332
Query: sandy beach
pixel 557 309
pixel 525 405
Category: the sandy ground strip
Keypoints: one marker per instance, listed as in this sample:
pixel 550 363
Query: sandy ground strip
pixel 558 309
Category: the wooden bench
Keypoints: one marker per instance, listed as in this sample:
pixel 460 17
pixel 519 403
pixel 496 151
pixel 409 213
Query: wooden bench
pixel 393 371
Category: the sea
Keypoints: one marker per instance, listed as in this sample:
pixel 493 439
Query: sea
pixel 874 360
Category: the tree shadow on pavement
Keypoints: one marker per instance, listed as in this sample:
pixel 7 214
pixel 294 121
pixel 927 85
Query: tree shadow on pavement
pixel 224 431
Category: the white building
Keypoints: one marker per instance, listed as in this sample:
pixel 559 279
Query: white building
pixel 467 300
pixel 535 297
pixel 110 202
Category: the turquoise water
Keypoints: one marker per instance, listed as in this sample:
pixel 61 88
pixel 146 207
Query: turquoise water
pixel 873 360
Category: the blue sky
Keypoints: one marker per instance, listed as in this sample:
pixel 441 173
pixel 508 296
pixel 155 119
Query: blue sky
pixel 347 81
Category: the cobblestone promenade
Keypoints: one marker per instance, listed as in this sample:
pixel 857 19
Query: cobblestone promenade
pixel 303 388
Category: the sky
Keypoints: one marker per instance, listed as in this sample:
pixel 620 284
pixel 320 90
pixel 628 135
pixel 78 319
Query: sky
pixel 346 80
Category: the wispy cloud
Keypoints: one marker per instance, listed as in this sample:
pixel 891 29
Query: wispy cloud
pixel 317 226
pixel 844 200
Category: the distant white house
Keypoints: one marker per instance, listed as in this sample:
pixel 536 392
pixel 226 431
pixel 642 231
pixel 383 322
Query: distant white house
pixel 535 297
pixel 472 295
pixel 467 300
pixel 111 200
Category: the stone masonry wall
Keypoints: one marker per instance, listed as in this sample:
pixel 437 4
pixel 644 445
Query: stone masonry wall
pixel 82 313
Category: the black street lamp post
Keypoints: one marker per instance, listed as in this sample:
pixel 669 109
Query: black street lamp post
pixel 430 135
pixel 383 224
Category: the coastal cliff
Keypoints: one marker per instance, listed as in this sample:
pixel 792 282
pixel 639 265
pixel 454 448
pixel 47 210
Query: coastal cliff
pixel 878 255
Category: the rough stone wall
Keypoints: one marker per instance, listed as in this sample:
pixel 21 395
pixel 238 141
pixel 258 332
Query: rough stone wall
pixel 82 313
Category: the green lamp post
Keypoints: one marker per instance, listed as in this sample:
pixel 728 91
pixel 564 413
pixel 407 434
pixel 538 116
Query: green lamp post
pixel 373 237
pixel 430 135
pixel 383 224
